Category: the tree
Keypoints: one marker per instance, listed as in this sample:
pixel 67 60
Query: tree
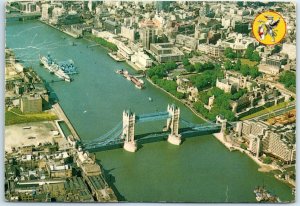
pixel 238 94
pixel 215 91
pixel 198 67
pixel 228 65
pixel 185 61
pixel 276 49
pixel 243 146
pixel 229 53
pixel 161 70
pixel 253 72
pixel 238 54
pixel 190 68
pixel 170 66
pixel 288 78
pixel 267 160
pixel 284 62
pixel 208 66
pixel 240 3
pixel 203 97
pixel 249 51
pixel 169 86
pixel 244 69
pixel 255 56
pixel 206 79
pixel 238 65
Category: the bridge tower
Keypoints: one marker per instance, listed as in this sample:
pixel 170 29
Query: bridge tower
pixel 223 124
pixel 173 124
pixel 128 131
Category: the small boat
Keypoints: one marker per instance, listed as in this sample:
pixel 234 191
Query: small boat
pixel 262 195
pixel 138 86
pixel 128 77
pixel 150 99
pixel 119 71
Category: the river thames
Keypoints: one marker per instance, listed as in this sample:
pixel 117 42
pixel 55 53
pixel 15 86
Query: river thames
pixel 199 170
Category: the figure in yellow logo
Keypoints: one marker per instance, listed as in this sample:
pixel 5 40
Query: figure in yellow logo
pixel 269 28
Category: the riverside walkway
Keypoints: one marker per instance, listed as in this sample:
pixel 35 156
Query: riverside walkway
pixel 62 116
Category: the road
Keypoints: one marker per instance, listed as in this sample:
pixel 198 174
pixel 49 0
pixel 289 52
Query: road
pixel 276 112
pixel 278 86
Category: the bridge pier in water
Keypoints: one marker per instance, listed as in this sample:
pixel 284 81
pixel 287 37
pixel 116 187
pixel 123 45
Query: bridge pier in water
pixel 173 124
pixel 128 131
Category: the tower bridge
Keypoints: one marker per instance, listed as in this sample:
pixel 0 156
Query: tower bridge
pixel 123 134
pixel 13 12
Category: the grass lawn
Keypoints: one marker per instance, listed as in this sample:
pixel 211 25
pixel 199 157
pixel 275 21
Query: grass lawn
pixel 177 73
pixel 15 116
pixel 103 42
pixel 248 62
pixel 266 110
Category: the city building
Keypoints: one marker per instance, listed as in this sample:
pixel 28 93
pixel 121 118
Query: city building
pixel 124 51
pixel 128 33
pixel 58 170
pixel 224 85
pixel 276 60
pixel 147 37
pixel 277 141
pixel 193 94
pixel 141 59
pixel 279 146
pixel 290 50
pixel 166 52
pixel 31 103
pixel 237 42
pixel 112 26
pixel 211 49
pixel 186 42
pixel 268 69
pixel 233 82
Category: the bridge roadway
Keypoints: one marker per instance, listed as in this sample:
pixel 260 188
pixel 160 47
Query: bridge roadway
pixel 123 133
pixel 154 137
pixel 22 15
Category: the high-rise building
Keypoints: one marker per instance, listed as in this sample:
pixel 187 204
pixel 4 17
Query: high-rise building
pixel 148 37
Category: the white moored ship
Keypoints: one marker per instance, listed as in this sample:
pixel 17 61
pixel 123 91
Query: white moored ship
pixel 54 68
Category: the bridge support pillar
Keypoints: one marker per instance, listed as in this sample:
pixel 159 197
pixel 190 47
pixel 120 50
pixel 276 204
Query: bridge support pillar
pixel 223 125
pixel 173 124
pixel 128 131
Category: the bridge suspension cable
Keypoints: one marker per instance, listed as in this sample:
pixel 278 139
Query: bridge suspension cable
pixel 190 124
pixel 152 117
pixel 108 135
pixel 115 138
pixel 114 135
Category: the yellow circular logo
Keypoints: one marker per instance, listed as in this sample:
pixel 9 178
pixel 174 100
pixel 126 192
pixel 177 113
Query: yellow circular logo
pixel 269 28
